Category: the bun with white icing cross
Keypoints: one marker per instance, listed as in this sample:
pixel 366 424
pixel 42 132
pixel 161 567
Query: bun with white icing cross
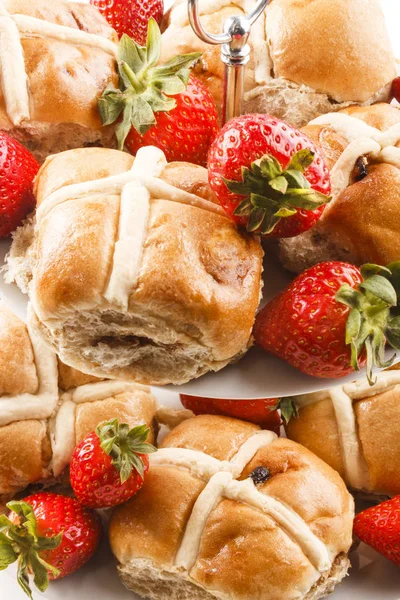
pixel 355 429
pixel 308 58
pixel 362 222
pixel 57 59
pixel 230 511
pixel 46 408
pixel 132 269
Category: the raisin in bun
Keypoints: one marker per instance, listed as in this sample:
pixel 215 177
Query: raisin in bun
pixel 361 223
pixel 230 511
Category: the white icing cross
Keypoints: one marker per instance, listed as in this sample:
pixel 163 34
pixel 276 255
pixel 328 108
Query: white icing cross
pixel 14 27
pixel 221 477
pixel 363 139
pixel 343 399
pixel 136 188
pixel 46 403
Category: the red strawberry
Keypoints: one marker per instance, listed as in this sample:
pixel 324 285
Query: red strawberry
pixel 130 16
pixel 161 105
pixel 260 412
pixel 379 527
pixel 268 176
pixel 396 89
pixel 50 535
pixel 332 319
pixel 109 466
pixel 18 169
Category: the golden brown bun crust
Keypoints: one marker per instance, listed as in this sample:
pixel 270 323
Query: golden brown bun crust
pixel 330 143
pixel 69 378
pixel 366 216
pixel 203 438
pixel 25 455
pixel 65 80
pixel 132 408
pixel 150 533
pixel 66 276
pixel 378 421
pixel 17 362
pixel 344 47
pixel 243 553
pixel 378 430
pixel 352 64
pixel 199 276
pixel 25 443
pixel 360 224
pixel 307 430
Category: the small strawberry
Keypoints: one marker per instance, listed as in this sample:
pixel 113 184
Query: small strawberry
pixel 333 319
pixel 130 16
pixel 18 169
pixel 163 106
pixel 50 536
pixel 396 89
pixel 260 412
pixel 109 466
pixel 268 176
pixel 379 527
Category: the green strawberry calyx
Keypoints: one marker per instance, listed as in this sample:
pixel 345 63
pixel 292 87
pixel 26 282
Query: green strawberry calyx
pixel 272 193
pixel 124 446
pixel 21 543
pixel 145 87
pixel 374 317
pixel 288 408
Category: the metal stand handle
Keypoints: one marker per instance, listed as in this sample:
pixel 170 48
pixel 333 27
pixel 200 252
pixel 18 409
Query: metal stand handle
pixel 235 52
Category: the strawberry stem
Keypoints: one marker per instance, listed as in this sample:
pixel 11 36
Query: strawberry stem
pixel 373 319
pixel 124 446
pixel 272 193
pixel 20 542
pixel 145 88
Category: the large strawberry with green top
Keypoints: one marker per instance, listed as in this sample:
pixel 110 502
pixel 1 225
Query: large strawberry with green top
pixel 334 319
pixel 49 536
pixel 110 464
pixel 160 105
pixel 268 176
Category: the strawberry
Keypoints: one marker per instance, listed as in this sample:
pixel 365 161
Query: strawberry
pixel 164 105
pixel 396 89
pixel 50 536
pixel 268 176
pixel 18 169
pixel 260 412
pixel 379 527
pixel 333 319
pixel 130 16
pixel 109 466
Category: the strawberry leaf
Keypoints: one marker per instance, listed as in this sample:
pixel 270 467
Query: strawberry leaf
pixel 279 184
pixel 144 87
pixel 127 444
pixel 301 160
pixel 41 577
pixel 265 184
pixel 153 44
pixel 288 408
pixel 130 52
pixel 7 554
pixel 22 575
pixel 381 288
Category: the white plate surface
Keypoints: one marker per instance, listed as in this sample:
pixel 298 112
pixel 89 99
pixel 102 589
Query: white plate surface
pixel 371 578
